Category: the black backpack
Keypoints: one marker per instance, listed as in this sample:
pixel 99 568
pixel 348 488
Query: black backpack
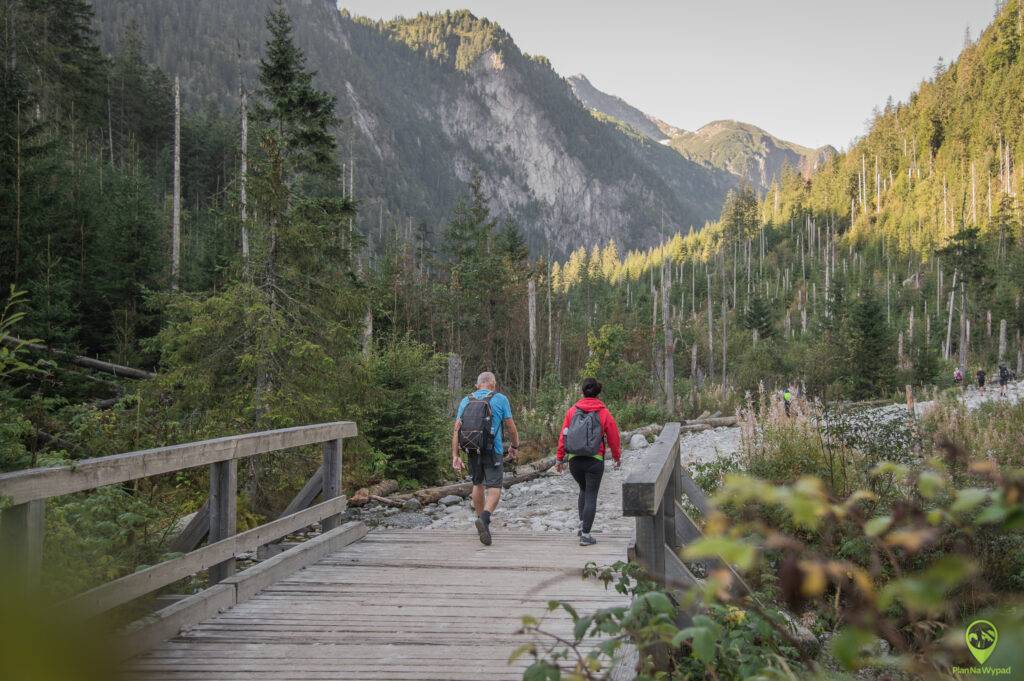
pixel 1004 374
pixel 475 435
pixel 583 435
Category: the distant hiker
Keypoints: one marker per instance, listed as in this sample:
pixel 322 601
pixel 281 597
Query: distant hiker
pixel 981 381
pixel 587 428
pixel 480 423
pixel 1004 379
pixel 958 376
pixel 787 398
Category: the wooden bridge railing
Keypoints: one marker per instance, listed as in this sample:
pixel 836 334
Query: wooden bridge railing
pixel 652 495
pixel 23 495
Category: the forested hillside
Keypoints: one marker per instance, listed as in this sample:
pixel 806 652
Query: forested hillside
pixel 426 101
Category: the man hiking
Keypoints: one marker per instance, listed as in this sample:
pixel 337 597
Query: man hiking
pixel 480 424
pixel 588 425
pixel 981 381
pixel 787 398
pixel 1004 378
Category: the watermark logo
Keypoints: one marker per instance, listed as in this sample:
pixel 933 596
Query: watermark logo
pixel 982 637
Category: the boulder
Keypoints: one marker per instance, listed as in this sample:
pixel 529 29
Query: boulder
pixel 411 505
pixel 637 441
pixel 450 500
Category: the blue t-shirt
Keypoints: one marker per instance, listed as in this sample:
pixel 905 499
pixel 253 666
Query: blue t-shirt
pixel 501 409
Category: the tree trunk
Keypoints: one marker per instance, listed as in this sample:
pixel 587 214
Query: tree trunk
pixel 947 349
pixel 1002 340
pixel 531 289
pixel 454 382
pixel 243 178
pixel 725 342
pixel 711 333
pixel 669 359
pixel 176 200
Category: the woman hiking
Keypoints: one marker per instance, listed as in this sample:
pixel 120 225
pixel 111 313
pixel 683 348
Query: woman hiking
pixel 587 428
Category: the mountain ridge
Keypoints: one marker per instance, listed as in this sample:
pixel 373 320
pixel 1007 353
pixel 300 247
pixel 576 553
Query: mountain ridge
pixel 428 101
pixel 745 150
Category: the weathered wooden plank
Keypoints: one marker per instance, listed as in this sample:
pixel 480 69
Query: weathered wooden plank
pixel 22 529
pixel 422 616
pixel 41 483
pixel 129 587
pixel 249 582
pixel 223 513
pixel 331 478
pixel 162 625
pixel 644 487
pixel 195 531
pixel 693 492
pixel 668 504
pixel 308 493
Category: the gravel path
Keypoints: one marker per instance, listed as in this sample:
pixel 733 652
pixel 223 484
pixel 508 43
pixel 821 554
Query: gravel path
pixel 548 503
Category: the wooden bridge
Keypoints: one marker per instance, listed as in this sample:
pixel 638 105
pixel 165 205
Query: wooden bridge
pixel 346 604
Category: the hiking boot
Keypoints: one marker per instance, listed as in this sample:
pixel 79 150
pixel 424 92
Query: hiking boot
pixel 587 540
pixel 483 529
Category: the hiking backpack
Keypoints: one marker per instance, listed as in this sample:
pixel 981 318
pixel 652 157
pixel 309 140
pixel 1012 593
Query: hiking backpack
pixel 475 435
pixel 583 435
pixel 1004 374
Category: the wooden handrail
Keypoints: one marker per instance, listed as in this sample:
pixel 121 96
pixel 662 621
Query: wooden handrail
pixel 23 494
pixel 645 486
pixel 20 487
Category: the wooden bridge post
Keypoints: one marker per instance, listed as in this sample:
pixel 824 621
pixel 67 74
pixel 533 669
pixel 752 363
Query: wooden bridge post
pixel 223 512
pixel 21 541
pixel 331 480
pixel 668 504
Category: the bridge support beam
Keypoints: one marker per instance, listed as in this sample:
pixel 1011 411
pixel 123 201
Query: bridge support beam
pixel 331 480
pixel 223 512
pixel 21 542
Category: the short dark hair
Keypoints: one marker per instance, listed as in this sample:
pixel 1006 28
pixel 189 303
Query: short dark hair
pixel 590 387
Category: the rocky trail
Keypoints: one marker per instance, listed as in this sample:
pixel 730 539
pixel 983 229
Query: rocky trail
pixel 548 503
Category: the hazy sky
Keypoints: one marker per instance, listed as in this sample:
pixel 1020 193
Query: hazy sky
pixel 809 71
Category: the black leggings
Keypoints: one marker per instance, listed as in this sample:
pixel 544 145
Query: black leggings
pixel 587 472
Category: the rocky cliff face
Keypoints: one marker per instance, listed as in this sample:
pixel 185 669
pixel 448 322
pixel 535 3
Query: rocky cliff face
pixel 749 152
pixel 429 101
pixel 616 107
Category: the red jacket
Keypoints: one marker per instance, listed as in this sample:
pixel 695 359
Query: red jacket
pixel 609 428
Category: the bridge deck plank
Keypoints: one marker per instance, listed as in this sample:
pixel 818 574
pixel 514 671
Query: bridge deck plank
pixel 396 605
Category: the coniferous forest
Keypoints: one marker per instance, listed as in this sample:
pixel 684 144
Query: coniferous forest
pixel 222 250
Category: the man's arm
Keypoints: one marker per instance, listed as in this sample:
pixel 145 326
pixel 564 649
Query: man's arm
pixel 513 433
pixel 456 456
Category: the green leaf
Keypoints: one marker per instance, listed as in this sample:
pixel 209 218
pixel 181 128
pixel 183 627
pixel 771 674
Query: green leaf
pixel 848 644
pixel 542 671
pixel 520 651
pixel 734 551
pixel 580 629
pixel 656 602
pixel 877 526
pixel 702 640
pixel 968 499
pixel 929 483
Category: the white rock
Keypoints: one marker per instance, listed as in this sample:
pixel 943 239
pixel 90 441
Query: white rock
pixel 450 500
pixel 638 441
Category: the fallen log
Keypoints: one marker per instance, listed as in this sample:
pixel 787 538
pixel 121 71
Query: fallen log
pixel 722 421
pixel 381 489
pixel 394 503
pixel 87 362
pixel 432 495
pixel 693 427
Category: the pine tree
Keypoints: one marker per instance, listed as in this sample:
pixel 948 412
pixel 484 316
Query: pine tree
pixel 302 116
pixel 872 353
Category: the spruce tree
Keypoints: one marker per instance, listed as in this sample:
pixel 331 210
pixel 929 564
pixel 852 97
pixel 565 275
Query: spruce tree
pixel 872 354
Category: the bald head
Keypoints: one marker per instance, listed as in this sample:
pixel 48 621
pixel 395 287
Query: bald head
pixel 486 381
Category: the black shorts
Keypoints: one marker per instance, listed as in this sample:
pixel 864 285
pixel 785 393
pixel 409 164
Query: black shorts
pixel 486 469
